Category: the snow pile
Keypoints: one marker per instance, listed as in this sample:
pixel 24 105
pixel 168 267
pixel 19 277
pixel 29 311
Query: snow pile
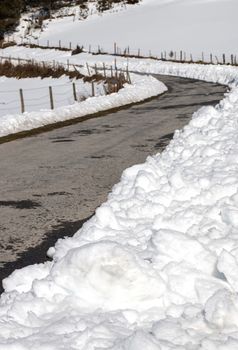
pixel 156 267
pixel 142 87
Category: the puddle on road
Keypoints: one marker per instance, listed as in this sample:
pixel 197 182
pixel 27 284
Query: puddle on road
pixel 163 141
pixel 21 204
pixel 57 141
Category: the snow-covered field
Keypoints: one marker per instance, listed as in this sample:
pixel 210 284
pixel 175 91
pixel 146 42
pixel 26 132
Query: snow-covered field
pixel 36 93
pixel 156 267
pixel 194 26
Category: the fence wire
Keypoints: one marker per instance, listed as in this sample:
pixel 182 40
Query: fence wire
pixel 35 99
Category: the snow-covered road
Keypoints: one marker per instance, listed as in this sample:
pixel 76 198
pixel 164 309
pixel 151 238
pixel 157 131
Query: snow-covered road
pixel 63 175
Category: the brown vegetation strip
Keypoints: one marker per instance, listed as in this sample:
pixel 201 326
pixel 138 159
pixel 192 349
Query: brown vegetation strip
pixel 43 70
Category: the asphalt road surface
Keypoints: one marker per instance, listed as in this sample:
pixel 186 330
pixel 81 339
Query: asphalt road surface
pixel 51 182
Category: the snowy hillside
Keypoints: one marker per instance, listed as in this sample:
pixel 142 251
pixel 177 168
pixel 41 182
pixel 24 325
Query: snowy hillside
pixel 194 26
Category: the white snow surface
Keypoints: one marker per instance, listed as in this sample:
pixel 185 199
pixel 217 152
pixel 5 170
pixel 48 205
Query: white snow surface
pixel 156 267
pixel 194 26
pixel 38 113
pixel 36 93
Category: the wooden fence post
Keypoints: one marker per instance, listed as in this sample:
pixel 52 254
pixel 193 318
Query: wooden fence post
pixel 111 72
pixel 96 69
pixel 128 77
pixel 105 89
pixel 232 60
pixel 115 48
pixel 51 98
pixel 127 72
pixel 70 45
pixel 181 56
pixel 93 89
pixel 104 69
pixel 224 58
pixel 74 92
pixel 22 101
pixel 211 59
pixel 88 69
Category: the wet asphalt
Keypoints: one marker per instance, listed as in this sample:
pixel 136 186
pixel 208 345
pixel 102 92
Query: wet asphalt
pixel 51 183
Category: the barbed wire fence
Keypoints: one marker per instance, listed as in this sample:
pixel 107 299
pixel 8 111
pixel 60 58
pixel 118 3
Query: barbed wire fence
pixel 164 55
pixel 57 95
pixel 45 97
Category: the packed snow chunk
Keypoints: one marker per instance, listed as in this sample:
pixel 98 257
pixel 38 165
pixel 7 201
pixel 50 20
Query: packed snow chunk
pixel 21 280
pixel 221 310
pixel 228 265
pixel 140 340
pixel 171 331
pixel 106 217
pixel 203 116
pixel 176 179
pixel 105 275
pixel 175 246
pixel 230 215
pixel 225 343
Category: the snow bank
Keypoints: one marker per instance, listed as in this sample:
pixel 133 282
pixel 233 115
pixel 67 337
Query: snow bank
pixel 222 74
pixel 142 87
pixel 156 267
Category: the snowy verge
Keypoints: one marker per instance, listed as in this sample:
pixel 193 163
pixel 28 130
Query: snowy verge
pixel 156 267
pixel 222 74
pixel 142 87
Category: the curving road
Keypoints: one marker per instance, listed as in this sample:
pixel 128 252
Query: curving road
pixel 51 182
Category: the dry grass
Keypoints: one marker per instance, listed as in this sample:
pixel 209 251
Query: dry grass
pixel 33 46
pixel 43 70
pixel 77 50
pixel 5 44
